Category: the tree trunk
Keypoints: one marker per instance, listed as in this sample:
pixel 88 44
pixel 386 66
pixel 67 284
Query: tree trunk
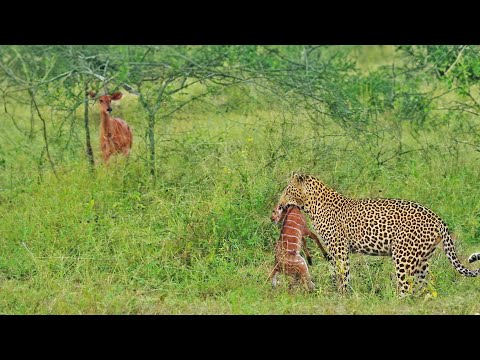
pixel 151 138
pixel 44 129
pixel 89 150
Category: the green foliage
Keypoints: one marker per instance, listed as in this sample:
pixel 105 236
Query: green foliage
pixel 451 63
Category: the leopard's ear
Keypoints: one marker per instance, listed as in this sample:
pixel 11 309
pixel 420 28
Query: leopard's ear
pixel 298 179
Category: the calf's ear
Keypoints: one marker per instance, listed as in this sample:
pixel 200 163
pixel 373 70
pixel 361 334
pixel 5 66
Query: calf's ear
pixel 116 96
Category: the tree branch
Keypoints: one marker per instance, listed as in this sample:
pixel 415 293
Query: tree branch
pixel 456 60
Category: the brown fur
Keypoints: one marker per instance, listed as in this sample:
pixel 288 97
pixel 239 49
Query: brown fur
pixel 287 249
pixel 115 134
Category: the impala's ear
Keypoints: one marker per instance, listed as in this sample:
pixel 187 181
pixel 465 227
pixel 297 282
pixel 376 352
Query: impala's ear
pixel 116 96
pixel 92 94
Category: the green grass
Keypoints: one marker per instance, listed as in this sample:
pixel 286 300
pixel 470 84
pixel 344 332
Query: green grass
pixel 199 239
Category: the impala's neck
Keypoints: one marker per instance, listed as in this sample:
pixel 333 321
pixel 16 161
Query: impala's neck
pixel 106 121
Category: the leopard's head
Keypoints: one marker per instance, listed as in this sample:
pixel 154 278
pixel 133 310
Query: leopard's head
pixel 294 193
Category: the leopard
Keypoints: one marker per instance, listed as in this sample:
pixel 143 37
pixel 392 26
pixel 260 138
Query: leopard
pixel 404 230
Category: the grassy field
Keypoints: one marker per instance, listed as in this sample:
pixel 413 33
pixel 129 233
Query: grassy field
pixel 198 240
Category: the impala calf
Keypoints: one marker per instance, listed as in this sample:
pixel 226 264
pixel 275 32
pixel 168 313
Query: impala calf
pixel 115 134
pixel 287 249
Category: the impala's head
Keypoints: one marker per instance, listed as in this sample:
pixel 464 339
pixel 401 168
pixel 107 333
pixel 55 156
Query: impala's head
pixel 105 100
pixel 278 215
pixel 294 193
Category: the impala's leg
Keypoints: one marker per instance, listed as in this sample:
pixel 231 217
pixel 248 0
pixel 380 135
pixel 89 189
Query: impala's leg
pixel 305 275
pixel 314 237
pixel 126 151
pixel 309 258
pixel 307 280
pixel 273 276
pixel 274 279
pixel 294 269
pixel 106 157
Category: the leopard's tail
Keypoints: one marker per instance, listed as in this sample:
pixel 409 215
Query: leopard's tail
pixel 474 257
pixel 449 249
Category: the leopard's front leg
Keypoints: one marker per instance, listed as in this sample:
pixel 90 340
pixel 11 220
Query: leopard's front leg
pixel 339 253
